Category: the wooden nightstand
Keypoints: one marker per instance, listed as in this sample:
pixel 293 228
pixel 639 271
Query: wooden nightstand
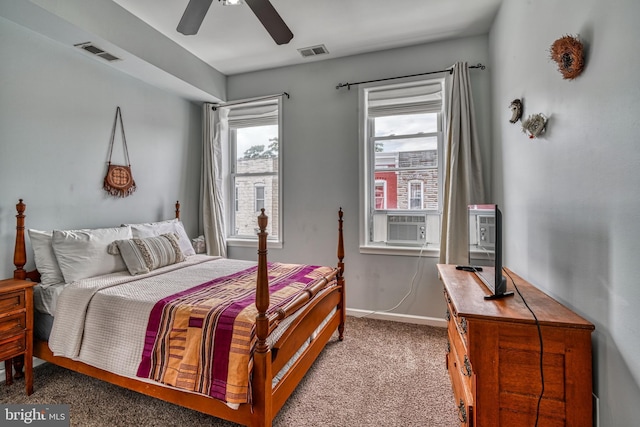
pixel 16 328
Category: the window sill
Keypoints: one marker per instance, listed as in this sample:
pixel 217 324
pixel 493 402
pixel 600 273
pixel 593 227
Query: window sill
pixel 253 243
pixel 427 251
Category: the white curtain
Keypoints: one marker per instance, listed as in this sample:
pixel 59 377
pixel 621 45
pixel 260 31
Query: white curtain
pixel 463 183
pixel 211 189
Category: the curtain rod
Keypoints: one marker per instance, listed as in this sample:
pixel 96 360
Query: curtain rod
pixel 449 70
pixel 246 101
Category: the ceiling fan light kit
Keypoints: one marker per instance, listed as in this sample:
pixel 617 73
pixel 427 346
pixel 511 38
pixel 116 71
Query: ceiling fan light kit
pixel 263 9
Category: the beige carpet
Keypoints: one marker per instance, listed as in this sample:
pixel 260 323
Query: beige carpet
pixel 382 374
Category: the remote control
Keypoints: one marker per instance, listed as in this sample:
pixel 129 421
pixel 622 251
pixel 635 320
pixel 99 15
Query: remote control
pixel 468 268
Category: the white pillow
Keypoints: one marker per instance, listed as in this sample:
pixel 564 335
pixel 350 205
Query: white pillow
pixel 83 253
pixel 45 259
pixel 152 229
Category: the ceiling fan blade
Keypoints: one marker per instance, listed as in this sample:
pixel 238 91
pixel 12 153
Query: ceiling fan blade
pixel 193 16
pixel 271 20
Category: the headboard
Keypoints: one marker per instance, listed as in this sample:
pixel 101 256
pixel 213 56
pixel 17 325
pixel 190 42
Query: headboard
pixel 20 252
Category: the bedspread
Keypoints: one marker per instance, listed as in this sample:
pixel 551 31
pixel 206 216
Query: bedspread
pixel 73 309
pixel 102 321
pixel 202 339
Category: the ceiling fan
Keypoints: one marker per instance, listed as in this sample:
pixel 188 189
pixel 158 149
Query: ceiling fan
pixel 263 9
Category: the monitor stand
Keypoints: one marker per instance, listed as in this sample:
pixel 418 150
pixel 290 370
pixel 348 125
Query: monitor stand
pixel 499 296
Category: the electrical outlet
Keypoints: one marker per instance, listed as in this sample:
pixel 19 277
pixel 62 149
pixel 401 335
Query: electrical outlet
pixel 596 410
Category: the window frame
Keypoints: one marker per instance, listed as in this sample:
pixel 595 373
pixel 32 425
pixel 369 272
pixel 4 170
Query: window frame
pixel 367 180
pixel 230 146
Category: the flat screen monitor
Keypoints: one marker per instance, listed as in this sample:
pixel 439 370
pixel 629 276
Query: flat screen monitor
pixel 485 244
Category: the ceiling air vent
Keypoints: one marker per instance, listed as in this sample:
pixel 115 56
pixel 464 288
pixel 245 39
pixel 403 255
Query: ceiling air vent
pixel 313 51
pixel 95 50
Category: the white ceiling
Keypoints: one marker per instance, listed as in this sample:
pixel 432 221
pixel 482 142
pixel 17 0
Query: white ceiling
pixel 233 41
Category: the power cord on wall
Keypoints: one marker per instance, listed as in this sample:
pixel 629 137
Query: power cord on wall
pixel 413 279
pixel 541 344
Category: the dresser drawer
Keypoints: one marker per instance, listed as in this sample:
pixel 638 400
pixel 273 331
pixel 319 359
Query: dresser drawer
pixel 461 390
pixel 452 316
pixel 461 359
pixel 12 301
pixel 13 324
pixel 11 347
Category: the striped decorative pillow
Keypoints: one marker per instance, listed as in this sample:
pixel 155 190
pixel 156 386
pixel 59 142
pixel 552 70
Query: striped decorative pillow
pixel 142 255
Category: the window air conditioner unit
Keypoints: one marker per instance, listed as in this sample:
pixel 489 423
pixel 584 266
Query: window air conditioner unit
pixel 408 229
pixel 486 226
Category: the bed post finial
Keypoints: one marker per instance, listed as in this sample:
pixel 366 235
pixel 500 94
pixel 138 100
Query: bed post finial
pixel 177 209
pixel 262 286
pixel 20 254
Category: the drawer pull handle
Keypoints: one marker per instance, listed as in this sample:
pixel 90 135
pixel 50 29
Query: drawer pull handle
pixel 447 297
pixel 467 367
pixel 462 416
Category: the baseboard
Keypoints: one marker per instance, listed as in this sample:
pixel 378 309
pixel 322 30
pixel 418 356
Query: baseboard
pixel 395 317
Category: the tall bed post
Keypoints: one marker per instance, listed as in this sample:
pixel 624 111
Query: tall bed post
pixel 263 397
pixel 340 278
pixel 20 253
pixel 262 287
pixel 178 209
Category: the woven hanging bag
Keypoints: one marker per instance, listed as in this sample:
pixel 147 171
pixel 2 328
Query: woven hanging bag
pixel 119 181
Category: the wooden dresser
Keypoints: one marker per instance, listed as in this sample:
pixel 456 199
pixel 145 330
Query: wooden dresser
pixel 494 356
pixel 16 329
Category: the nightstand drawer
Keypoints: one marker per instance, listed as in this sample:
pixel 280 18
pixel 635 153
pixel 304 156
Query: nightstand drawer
pixel 12 324
pixel 16 330
pixel 13 346
pixel 11 301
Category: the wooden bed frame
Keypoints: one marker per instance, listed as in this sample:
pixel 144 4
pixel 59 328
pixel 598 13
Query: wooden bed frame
pixel 267 400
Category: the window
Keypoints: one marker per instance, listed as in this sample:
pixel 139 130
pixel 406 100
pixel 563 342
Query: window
pixel 381 194
pixel 415 195
pixel 401 137
pixel 254 168
pixel 259 197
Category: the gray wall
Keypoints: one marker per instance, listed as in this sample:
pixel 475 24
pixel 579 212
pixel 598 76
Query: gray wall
pixel 56 112
pixel 320 144
pixel 571 199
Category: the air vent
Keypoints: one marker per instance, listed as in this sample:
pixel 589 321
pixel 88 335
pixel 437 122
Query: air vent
pixel 95 50
pixel 313 51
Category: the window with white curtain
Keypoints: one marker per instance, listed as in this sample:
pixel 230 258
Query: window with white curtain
pixel 255 169
pixel 401 127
